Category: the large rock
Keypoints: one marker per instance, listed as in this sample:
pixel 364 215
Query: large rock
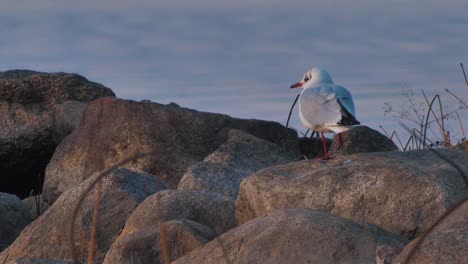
pixel 361 139
pixel 47 236
pixel 211 209
pixel 48 89
pixel 296 236
pixel 402 192
pixel 191 218
pixel 14 216
pixel 144 246
pixel 447 243
pixel 223 170
pixel 40 261
pixel 113 130
pixel 32 122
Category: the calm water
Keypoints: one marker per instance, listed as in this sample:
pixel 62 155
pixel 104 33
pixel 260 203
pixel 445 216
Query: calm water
pixel 240 58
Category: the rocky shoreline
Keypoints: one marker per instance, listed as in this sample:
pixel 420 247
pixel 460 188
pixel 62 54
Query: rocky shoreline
pixel 215 189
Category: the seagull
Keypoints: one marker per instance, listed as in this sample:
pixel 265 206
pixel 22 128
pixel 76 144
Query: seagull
pixel 324 106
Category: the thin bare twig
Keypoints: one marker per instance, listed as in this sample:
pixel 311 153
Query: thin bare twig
pixel 440 123
pixel 417 139
pixel 385 131
pixel 397 137
pixel 418 135
pixel 458 98
pixel 38 203
pixel 93 238
pixel 394 133
pixel 290 110
pixel 313 133
pixel 410 140
pixel 71 227
pixel 461 126
pixel 415 110
pixel 464 74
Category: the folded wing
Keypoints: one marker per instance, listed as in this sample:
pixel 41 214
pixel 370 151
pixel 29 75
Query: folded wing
pixel 327 105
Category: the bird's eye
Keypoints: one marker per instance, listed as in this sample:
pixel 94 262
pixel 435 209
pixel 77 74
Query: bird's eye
pixel 306 79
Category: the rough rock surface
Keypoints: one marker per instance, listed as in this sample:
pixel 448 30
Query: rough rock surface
pixel 40 261
pixel 14 216
pixel 30 111
pixel 210 209
pixel 223 170
pixel 66 117
pixel 48 89
pixel 192 218
pixel 402 192
pixel 361 139
pixel 113 130
pixel 296 235
pixel 47 236
pixel 144 246
pixel 447 243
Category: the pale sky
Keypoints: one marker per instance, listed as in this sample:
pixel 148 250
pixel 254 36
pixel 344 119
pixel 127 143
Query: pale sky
pixel 240 57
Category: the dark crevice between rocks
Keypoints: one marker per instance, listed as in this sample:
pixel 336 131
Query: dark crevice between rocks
pixel 312 147
pixel 26 176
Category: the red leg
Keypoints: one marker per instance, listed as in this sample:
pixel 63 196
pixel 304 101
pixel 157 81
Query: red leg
pixel 340 139
pixel 325 151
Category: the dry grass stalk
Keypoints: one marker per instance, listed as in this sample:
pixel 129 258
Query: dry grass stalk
pixel 458 98
pixel 162 234
pixel 421 134
pixel 38 199
pixel 38 202
pixel 164 245
pixel 413 115
pixel 464 74
pixel 440 122
pixel 290 110
pixel 418 142
pixel 394 134
pixel 461 126
pixel 92 241
pixel 71 229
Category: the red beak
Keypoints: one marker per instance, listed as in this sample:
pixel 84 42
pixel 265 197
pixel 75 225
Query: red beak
pixel 296 85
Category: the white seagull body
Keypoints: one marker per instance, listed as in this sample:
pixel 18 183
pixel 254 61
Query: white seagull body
pixel 324 106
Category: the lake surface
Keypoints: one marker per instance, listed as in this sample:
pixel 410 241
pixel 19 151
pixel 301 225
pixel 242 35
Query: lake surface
pixel 240 57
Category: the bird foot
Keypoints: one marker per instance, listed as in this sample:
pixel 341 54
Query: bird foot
pixel 323 158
